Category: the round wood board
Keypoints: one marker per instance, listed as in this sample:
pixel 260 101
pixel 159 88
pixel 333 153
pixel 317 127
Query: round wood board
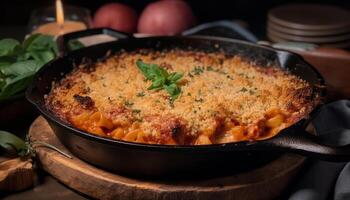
pixel 266 182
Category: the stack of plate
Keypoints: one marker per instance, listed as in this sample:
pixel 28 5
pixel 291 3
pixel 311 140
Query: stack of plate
pixel 312 23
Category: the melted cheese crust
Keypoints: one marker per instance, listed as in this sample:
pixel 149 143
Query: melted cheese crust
pixel 223 99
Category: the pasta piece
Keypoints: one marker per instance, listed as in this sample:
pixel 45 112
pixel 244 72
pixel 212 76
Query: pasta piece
pixel 203 140
pixel 104 122
pixel 274 121
pixel 117 133
pixel 131 136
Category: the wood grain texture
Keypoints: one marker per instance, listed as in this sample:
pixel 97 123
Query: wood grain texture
pixel 266 182
pixel 16 174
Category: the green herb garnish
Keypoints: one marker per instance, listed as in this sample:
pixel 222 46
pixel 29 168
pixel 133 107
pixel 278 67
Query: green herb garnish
pixel 210 68
pixel 128 103
pixel 243 89
pixel 136 111
pixel 197 71
pixel 19 62
pixel 140 94
pixel 161 79
pixel 14 145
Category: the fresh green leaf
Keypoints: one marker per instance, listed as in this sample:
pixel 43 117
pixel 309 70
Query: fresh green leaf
pixel 174 77
pixel 75 44
pixel 140 94
pixel 8 47
pixel 157 83
pixel 144 68
pixel 42 57
pixel 6 61
pixel 30 40
pixel 173 90
pixel 197 71
pixel 19 62
pixel 15 85
pixel 20 68
pixel 39 42
pixel 160 78
pixel 11 143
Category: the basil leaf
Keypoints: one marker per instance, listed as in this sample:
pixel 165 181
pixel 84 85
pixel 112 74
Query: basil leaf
pixel 160 78
pixel 173 90
pixel 174 77
pixel 19 62
pixel 5 61
pixel 144 68
pixel 39 42
pixel 29 41
pixel 15 85
pixel 20 68
pixel 157 84
pixel 11 142
pixel 42 57
pixel 8 47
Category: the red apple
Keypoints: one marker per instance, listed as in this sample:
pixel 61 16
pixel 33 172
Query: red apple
pixel 167 17
pixel 116 16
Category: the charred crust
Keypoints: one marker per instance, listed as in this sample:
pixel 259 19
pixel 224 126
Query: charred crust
pixel 85 101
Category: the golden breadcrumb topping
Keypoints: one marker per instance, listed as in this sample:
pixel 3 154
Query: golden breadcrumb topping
pixel 216 89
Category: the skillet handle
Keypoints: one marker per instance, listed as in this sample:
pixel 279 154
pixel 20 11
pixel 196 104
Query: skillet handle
pixel 306 144
pixel 104 34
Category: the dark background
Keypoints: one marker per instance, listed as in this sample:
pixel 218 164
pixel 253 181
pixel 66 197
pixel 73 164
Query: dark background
pixel 17 12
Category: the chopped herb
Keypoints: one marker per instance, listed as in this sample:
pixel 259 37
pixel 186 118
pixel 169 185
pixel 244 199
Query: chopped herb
pixel 251 92
pixel 139 119
pixel 210 68
pixel 161 79
pixel 189 94
pixel 199 100
pixel 136 111
pixel 243 89
pixel 221 72
pixel 190 75
pixel 197 71
pixel 128 103
pixel 140 94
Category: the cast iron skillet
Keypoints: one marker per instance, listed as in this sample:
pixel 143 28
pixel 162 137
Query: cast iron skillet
pixel 159 160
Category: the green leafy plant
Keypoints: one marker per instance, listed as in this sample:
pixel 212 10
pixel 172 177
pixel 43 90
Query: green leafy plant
pixel 20 61
pixel 15 145
pixel 161 79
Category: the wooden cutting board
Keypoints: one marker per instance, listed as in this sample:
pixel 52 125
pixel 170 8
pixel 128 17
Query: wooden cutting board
pixel 266 182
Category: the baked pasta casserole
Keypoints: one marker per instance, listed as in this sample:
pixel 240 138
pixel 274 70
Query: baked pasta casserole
pixel 180 97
